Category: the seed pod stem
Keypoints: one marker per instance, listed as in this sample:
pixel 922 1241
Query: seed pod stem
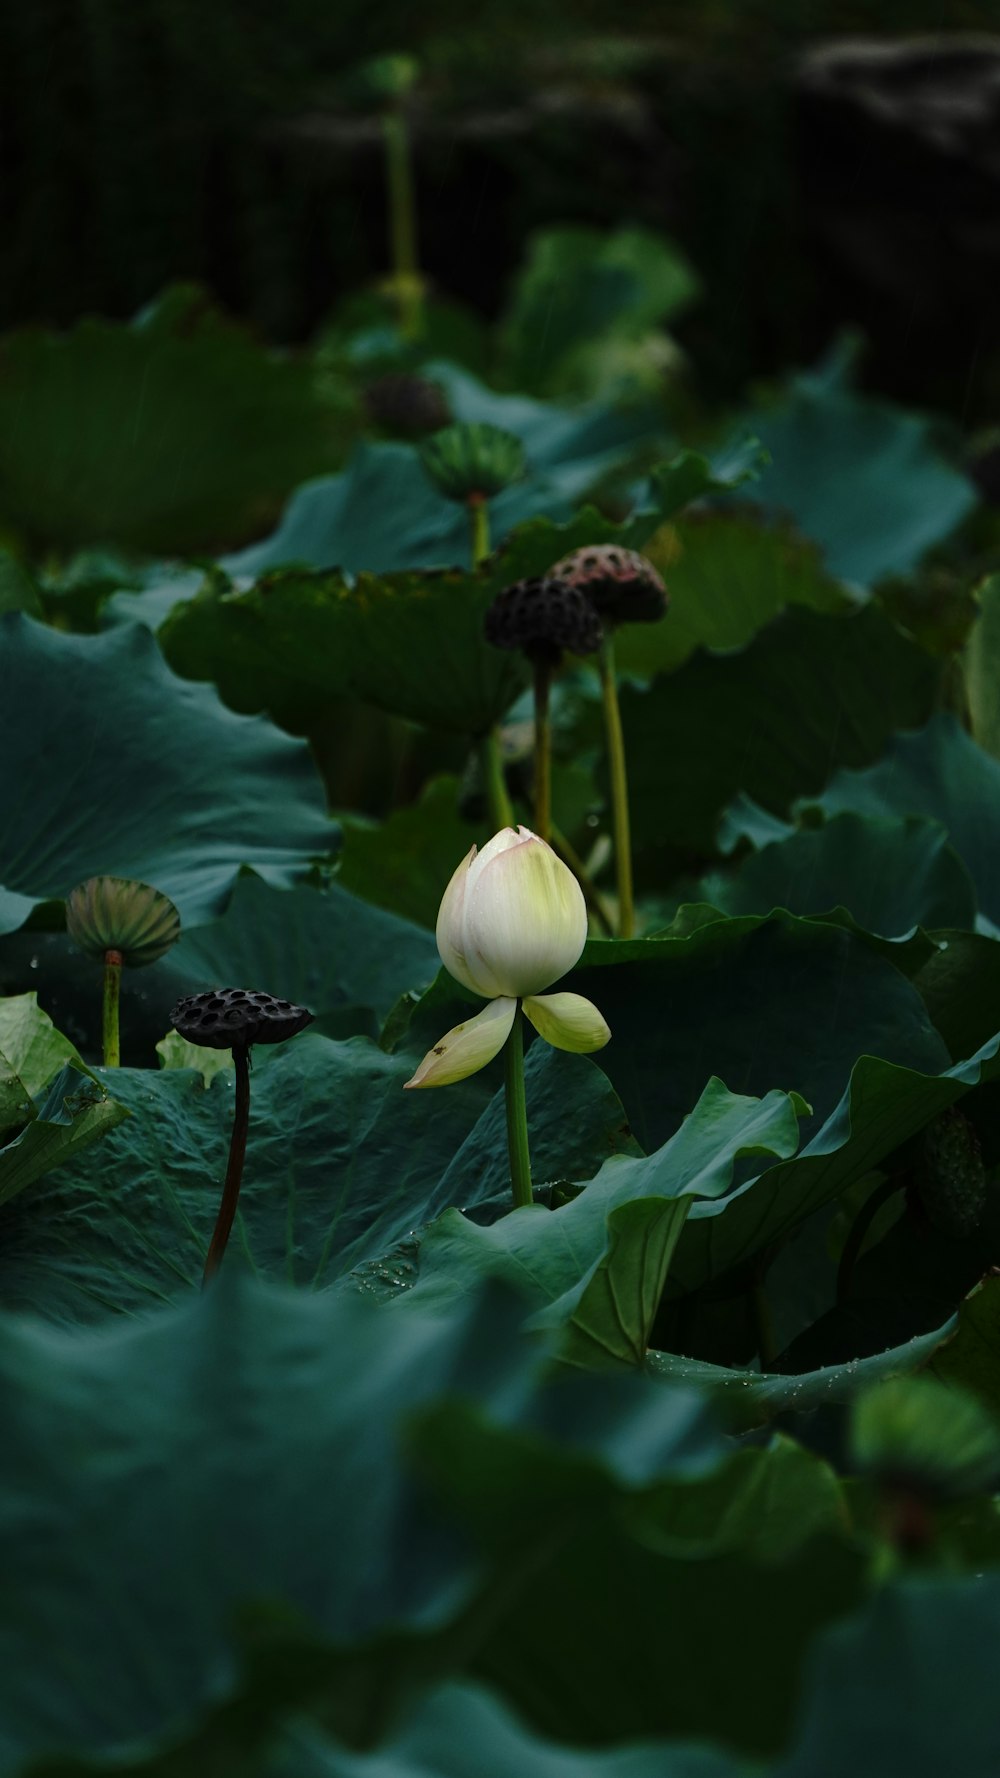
pixel 479 527
pixel 619 785
pixel 234 1169
pixel 497 799
pixel 517 1114
pixel 543 749
pixel 112 991
pixel 594 900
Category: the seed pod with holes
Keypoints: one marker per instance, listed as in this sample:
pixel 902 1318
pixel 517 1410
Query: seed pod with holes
pixel 223 1018
pixel 235 1018
pixel 543 616
pixel 623 586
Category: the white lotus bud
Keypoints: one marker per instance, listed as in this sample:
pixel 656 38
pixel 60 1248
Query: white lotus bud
pixel 512 919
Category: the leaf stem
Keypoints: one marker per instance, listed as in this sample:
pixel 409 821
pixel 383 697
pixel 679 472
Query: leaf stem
pixel 234 1170
pixel 619 787
pixel 859 1229
pixel 402 222
pixel 517 1114
pixel 109 1023
pixel 479 527
pixel 491 765
pixel 543 749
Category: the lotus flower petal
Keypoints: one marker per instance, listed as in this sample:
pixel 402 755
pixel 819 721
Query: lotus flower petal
pixel 568 1022
pixel 467 1047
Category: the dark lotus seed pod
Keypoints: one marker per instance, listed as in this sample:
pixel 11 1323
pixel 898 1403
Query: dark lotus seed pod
pixel 624 587
pixel 472 459
pixel 542 617
pixel 222 1018
pixel 116 914
pixel 950 1176
pixel 407 405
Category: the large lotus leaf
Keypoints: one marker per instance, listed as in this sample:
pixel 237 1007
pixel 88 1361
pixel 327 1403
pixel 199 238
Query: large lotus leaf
pixel 906 1685
pixel 141 775
pixel 750 1398
pixel 382 514
pixel 862 478
pixel 341 1164
pixel 939 772
pixel 74 1111
pixel 245 1451
pixel 727 576
pixel 811 691
pixel 412 644
pixel 409 642
pixel 404 862
pixel 596 1266
pixel 970 1359
pixel 579 292
pixel 892 875
pixel 30 1041
pixel 645 1581
pixel 716 1000
pixel 321 947
pixel 882 1106
pixel 180 438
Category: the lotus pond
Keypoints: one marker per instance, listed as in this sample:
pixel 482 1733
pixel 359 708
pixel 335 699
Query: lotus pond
pixel 626 1399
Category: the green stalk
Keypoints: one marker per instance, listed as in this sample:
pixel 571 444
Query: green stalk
pixel 619 787
pixel 517 1114
pixel 479 525
pixel 859 1229
pixel 569 855
pixel 763 1323
pixel 234 1169
pixel 494 783
pixel 543 749
pixel 112 990
pixel 402 223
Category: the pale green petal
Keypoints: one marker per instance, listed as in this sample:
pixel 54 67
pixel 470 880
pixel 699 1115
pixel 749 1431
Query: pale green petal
pixel 467 1047
pixel 568 1022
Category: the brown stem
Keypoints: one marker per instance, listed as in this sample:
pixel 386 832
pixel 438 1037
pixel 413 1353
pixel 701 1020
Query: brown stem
pixel 234 1170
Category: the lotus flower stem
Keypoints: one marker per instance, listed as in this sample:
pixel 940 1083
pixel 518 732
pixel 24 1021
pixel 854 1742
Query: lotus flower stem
pixel 112 990
pixel 402 222
pixel 234 1169
pixel 763 1320
pixel 619 786
pixel 479 526
pixel 543 750
pixel 494 783
pixel 517 1114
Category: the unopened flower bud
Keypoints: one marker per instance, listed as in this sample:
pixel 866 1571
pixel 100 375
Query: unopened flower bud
pixel 623 586
pixel 471 460
pixel 117 914
pixel 542 617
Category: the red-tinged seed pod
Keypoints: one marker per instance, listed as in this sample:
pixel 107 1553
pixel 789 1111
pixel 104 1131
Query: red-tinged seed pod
pixel 542 617
pixel 621 584
pixel 224 1018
